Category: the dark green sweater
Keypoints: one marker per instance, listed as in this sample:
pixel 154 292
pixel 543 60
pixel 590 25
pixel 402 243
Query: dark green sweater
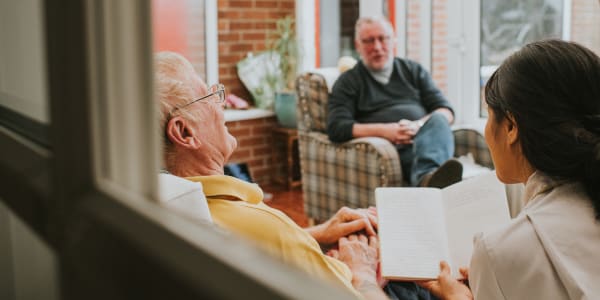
pixel 357 97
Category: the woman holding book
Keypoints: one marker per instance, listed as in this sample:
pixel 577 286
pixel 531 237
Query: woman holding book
pixel 543 130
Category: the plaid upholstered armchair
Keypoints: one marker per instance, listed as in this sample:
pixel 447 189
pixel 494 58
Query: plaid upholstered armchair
pixel 346 174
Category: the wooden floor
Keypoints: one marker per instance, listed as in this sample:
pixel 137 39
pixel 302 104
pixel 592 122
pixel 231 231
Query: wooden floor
pixel 288 201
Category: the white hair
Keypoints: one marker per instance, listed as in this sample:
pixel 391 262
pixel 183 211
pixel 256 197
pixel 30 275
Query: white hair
pixel 370 20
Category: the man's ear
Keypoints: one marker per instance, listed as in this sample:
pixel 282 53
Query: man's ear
pixel 180 133
pixel 512 131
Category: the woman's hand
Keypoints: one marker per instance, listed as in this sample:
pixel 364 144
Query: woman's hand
pixel 345 222
pixel 446 287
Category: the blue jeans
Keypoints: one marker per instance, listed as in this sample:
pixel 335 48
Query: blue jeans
pixel 407 291
pixel 432 146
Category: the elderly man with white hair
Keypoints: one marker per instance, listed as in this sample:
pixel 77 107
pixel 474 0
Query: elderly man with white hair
pixel 197 145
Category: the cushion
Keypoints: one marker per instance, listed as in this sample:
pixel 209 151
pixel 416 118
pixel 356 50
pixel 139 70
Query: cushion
pixel 183 196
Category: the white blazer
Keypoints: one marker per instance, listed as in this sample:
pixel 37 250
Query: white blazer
pixel 551 250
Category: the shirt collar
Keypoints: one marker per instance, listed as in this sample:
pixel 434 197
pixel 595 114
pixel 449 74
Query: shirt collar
pixel 216 186
pixel 538 183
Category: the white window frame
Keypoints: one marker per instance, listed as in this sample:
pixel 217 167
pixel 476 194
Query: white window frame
pixel 212 41
pixel 464 59
pixel 91 195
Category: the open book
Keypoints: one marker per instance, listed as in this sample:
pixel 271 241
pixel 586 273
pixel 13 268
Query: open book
pixel 419 227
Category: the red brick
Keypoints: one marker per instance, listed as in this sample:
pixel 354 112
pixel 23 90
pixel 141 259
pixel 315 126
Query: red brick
pixel 254 36
pixel 266 4
pixel 228 14
pixel 251 141
pixel 265 151
pixel 240 155
pixel 287 4
pixel 239 131
pixel 241 25
pixel 241 47
pixel 229 36
pixel 269 25
pixel 223 25
pixel 242 3
pixel 255 14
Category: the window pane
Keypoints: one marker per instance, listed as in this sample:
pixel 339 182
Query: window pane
pixel 23 79
pixel 336 30
pixel 585 24
pixel 507 25
pixel 179 26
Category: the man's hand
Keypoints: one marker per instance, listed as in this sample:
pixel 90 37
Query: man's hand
pixel 361 255
pixel 446 287
pixel 346 221
pixel 401 132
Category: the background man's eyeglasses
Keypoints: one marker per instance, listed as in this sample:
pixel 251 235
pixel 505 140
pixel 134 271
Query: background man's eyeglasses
pixel 216 94
pixel 371 40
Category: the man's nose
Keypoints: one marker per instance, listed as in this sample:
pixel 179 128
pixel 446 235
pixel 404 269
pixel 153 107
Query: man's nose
pixel 378 44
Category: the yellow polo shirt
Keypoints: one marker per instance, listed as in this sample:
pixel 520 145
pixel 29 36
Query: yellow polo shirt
pixel 237 206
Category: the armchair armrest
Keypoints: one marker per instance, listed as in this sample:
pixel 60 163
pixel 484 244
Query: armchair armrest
pixel 344 174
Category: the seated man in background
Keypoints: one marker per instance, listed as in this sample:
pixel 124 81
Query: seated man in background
pixel 197 145
pixel 395 99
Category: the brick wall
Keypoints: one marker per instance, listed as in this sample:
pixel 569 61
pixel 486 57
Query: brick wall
pixel 439 36
pixel 439 44
pixel 255 147
pixel 585 23
pixel 413 30
pixel 243 27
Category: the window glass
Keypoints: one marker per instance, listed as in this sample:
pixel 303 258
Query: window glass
pixel 507 25
pixel 179 26
pixel 585 23
pixel 336 30
pixel 23 86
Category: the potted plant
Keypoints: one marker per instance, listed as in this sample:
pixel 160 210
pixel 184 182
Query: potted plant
pixel 284 49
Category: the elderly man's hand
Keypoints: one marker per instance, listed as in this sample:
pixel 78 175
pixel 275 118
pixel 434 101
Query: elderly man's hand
pixel 361 254
pixel 401 132
pixel 345 222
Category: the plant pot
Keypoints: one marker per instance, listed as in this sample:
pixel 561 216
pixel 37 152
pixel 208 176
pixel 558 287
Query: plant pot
pixel 285 109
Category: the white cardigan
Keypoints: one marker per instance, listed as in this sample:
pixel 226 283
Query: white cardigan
pixel 551 250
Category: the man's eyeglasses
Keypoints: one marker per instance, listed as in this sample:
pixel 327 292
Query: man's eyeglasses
pixel 371 40
pixel 216 94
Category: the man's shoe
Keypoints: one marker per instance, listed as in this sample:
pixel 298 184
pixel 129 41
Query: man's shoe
pixel 447 174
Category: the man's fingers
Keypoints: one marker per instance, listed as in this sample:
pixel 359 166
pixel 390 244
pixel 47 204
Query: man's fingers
pixel 363 238
pixel 374 222
pixel 342 241
pixel 333 253
pixel 373 241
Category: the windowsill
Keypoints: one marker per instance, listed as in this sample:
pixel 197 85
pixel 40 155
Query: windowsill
pixel 232 115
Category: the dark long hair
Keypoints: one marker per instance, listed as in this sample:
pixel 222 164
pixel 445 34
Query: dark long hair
pixel 552 90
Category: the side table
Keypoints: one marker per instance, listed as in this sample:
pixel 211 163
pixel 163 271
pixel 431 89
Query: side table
pixel 289 138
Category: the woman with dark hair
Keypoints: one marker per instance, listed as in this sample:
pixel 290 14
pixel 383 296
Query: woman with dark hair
pixel 543 130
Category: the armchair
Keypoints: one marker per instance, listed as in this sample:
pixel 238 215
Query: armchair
pixel 346 174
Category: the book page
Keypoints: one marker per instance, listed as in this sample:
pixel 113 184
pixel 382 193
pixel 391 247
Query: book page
pixel 411 232
pixel 472 206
